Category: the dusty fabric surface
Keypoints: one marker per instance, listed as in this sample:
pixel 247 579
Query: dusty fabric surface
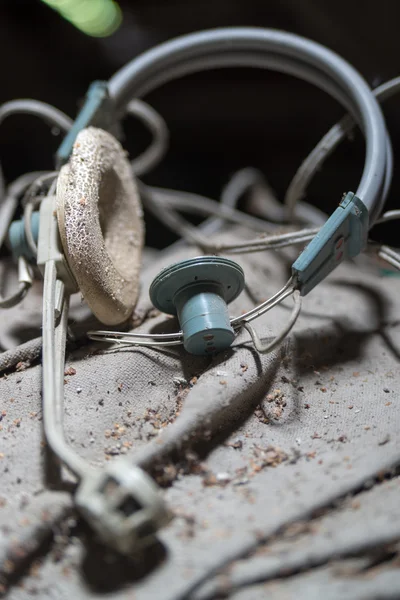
pixel 351 551
pixel 245 446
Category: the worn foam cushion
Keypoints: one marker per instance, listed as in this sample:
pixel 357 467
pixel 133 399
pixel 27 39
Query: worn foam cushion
pixel 101 224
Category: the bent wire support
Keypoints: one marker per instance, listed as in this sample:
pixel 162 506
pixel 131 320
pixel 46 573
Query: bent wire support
pixel 121 502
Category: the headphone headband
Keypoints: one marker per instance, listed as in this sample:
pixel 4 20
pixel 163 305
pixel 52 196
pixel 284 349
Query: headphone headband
pixel 272 49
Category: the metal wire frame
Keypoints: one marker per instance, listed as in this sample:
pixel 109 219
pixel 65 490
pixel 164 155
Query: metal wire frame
pixel 54 338
pixel 265 348
pixel 175 339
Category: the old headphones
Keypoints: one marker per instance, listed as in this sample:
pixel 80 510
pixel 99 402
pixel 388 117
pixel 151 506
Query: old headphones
pixel 90 235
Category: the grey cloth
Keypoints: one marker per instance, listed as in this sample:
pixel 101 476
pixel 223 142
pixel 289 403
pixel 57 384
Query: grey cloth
pixel 245 445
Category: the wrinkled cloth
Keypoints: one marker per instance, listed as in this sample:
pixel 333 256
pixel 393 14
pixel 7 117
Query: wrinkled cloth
pixel 245 445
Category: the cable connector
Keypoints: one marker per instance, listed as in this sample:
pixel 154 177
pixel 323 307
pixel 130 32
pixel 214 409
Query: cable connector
pixel 17 237
pixel 98 111
pixel 123 505
pixel 344 235
pixel 50 246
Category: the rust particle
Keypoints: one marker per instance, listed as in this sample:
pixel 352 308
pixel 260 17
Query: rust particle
pixel 70 371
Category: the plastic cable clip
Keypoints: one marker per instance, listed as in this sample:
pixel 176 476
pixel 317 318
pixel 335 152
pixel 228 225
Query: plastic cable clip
pixel 344 235
pixel 123 505
pixel 49 244
pixel 98 111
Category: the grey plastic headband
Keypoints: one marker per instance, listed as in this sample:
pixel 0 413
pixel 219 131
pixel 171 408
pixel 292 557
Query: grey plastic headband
pixel 292 54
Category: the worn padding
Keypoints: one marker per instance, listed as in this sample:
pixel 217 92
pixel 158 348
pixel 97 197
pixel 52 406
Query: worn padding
pixel 101 224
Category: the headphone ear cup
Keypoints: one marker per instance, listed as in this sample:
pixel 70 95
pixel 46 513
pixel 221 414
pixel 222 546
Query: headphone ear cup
pixel 100 221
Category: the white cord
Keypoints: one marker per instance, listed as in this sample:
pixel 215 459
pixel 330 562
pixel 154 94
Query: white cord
pixel 51 115
pixel 195 203
pixel 390 215
pixel 390 256
pixel 154 154
pixel 264 307
pixel 281 240
pixel 314 161
pixel 24 284
pixel 263 349
pixel 239 184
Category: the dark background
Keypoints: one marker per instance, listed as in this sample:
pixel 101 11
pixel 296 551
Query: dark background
pixel 219 121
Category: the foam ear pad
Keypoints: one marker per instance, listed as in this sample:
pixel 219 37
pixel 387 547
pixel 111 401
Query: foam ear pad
pixel 101 224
